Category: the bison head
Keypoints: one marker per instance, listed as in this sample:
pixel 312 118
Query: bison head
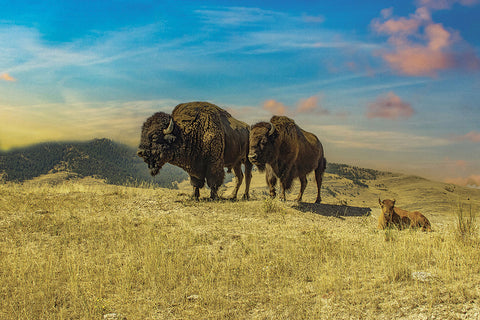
pixel 157 144
pixel 262 148
pixel 387 206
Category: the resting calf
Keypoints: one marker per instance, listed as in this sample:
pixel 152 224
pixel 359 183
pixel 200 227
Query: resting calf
pixel 393 216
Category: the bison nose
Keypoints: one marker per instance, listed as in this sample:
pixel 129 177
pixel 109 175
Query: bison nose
pixel 140 153
pixel 252 156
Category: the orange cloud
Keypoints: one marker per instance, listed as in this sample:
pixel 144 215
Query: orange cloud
pixel 421 47
pixel 275 107
pixel 389 106
pixel 7 77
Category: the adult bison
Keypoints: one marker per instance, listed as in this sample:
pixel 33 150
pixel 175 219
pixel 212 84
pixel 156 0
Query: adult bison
pixel 286 152
pixel 202 139
pixel 392 216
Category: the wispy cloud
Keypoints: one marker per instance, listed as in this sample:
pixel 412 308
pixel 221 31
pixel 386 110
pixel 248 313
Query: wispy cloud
pixel 313 19
pixel 236 16
pixel 421 47
pixel 348 137
pixel 389 106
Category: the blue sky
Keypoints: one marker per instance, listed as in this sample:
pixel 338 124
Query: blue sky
pixel 390 85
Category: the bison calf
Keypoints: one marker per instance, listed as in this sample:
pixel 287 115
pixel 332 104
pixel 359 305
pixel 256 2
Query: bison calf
pixel 286 152
pixel 393 216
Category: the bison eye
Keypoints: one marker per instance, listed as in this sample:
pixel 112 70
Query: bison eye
pixel 154 137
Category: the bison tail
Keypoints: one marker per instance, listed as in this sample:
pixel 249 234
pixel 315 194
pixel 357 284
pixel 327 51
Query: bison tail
pixel 323 164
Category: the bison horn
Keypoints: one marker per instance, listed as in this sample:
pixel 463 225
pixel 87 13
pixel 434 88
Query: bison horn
pixel 170 127
pixel 272 129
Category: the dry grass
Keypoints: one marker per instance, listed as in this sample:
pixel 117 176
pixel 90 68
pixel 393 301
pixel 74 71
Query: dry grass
pixel 79 250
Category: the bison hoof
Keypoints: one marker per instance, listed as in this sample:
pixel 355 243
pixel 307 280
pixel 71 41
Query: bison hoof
pixel 246 197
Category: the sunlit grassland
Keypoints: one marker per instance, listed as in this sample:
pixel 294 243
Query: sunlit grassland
pixel 79 251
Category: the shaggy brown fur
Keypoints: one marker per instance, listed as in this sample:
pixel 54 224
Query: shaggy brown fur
pixel 286 152
pixel 204 140
pixel 393 216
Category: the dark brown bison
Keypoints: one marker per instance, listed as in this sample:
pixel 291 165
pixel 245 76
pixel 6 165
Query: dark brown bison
pixel 392 216
pixel 202 139
pixel 286 152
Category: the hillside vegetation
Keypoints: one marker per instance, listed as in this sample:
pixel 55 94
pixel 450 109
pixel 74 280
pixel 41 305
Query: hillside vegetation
pixel 83 249
pixel 102 158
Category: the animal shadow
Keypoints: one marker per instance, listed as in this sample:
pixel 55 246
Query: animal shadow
pixel 333 210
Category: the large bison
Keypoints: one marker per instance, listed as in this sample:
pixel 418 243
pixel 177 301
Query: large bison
pixel 286 152
pixel 392 216
pixel 202 139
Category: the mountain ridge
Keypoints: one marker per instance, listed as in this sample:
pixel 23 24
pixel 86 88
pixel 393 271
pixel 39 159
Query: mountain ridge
pixel 102 158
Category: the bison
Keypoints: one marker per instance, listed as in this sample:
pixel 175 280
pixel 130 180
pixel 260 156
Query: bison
pixel 286 152
pixel 202 139
pixel 393 216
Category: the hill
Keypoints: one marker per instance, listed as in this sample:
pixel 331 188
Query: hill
pixel 100 158
pixel 113 162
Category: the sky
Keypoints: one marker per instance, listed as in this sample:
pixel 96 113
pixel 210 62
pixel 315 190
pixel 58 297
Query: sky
pixel 389 85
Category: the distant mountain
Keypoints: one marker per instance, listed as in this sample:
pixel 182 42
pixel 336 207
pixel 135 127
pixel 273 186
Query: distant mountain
pixel 116 163
pixel 101 158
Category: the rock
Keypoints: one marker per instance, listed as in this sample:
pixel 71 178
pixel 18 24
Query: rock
pixel 113 316
pixel 422 276
pixel 193 297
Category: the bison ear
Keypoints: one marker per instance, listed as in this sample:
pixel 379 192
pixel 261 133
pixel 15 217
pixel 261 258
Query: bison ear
pixel 272 129
pixel 169 129
pixel 394 201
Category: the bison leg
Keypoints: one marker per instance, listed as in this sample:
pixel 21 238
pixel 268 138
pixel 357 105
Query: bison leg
pixel 303 185
pixel 248 178
pixel 271 181
pixel 237 169
pixel 283 197
pixel 319 177
pixel 197 185
pixel 215 176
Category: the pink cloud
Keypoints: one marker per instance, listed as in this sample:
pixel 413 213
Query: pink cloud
pixel 311 105
pixel 473 136
pixel 7 77
pixel 421 47
pixel 393 26
pixel 471 181
pixel 275 107
pixel 418 61
pixel 444 4
pixel 389 106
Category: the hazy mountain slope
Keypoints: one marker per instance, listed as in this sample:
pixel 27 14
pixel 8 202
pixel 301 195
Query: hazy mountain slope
pixel 102 158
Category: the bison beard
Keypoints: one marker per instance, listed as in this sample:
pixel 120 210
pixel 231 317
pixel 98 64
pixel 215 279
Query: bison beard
pixel 286 152
pixel 202 139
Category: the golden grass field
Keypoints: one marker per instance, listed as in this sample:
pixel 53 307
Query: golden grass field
pixel 81 249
